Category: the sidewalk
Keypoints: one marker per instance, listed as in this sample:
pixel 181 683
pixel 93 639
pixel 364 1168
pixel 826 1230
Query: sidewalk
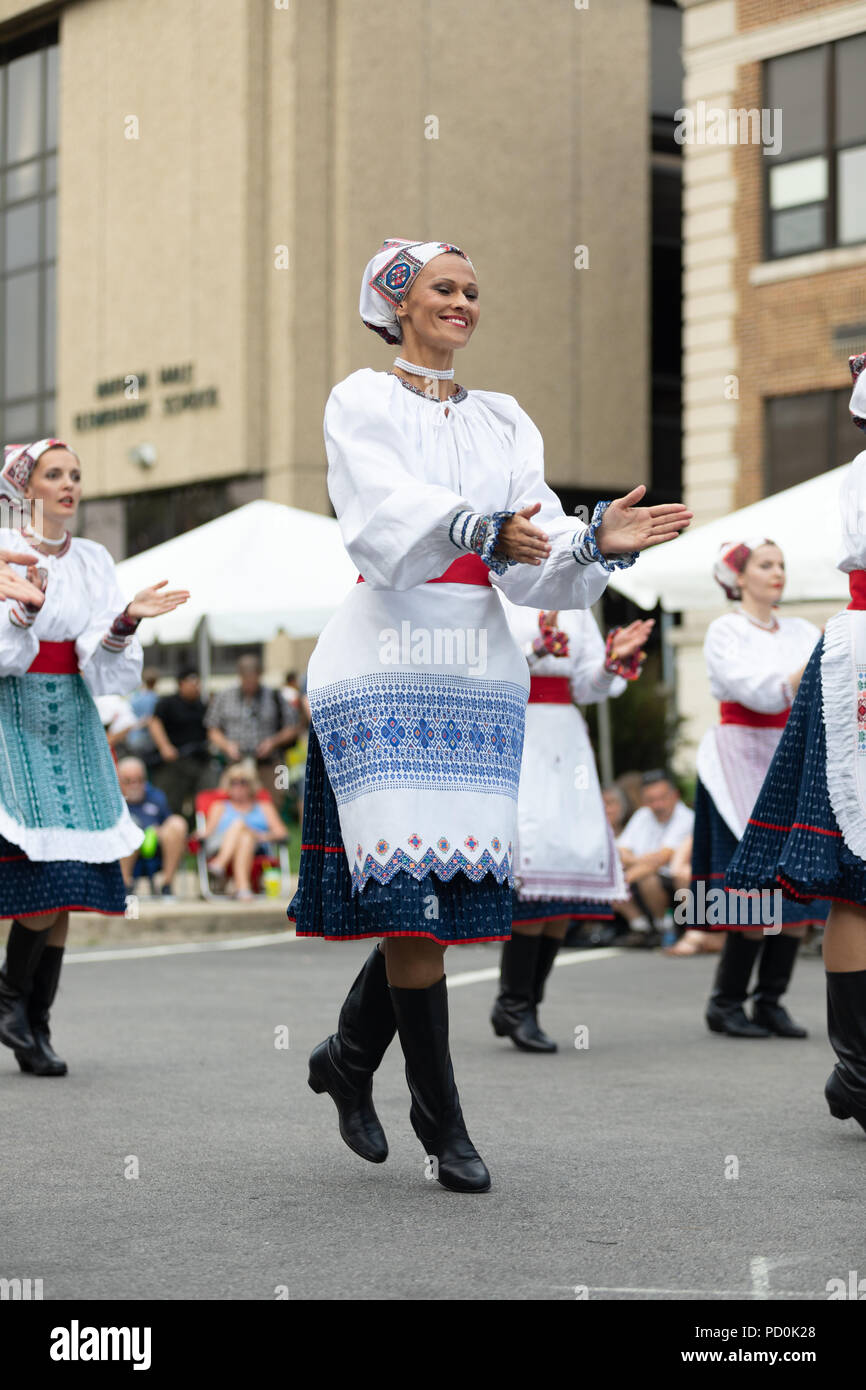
pixel 187 918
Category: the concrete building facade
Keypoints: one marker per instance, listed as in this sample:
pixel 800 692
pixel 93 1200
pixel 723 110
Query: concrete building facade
pixel 223 173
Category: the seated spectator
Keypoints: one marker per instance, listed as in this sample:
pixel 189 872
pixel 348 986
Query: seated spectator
pixel 178 730
pixel 616 807
pixel 647 846
pixel 150 809
pixel 117 718
pixel 238 828
pixel 693 941
pixel 139 740
pixel 251 721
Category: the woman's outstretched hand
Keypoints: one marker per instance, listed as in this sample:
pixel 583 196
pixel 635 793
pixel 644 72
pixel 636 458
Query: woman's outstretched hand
pixel 150 603
pixel 632 638
pixel 626 526
pixel 519 540
pixel 14 585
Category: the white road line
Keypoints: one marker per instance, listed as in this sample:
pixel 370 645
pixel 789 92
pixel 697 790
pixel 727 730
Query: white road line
pixel 245 943
pixel 181 948
pixel 474 977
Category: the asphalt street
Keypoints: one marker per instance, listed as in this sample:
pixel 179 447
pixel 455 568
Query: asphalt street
pixel 658 1162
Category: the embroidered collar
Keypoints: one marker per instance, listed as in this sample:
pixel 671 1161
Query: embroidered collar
pixel 459 395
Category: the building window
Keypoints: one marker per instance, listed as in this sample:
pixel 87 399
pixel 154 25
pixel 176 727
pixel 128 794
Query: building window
pixel 815 191
pixel 28 243
pixel 127 525
pixel 806 435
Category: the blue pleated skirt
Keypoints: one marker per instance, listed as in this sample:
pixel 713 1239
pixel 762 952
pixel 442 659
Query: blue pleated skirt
pixel 793 839
pixel 29 887
pixel 324 905
pixel 713 848
pixel 553 909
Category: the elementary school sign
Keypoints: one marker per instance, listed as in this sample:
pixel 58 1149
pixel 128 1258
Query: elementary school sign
pixel 126 392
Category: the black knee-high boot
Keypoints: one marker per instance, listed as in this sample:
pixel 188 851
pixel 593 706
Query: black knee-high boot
pixel 23 950
pixel 513 1013
pixel 774 975
pixel 343 1065
pixel 435 1113
pixel 725 1012
pixel 846 1025
pixel 43 1060
pixel 548 947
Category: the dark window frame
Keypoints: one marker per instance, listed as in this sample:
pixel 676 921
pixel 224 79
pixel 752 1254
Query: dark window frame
pixel 43 399
pixel 830 152
pixel 832 397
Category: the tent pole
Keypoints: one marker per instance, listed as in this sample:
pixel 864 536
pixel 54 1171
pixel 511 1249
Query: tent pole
pixel 204 655
pixel 605 731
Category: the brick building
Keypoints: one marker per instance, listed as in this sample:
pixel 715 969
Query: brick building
pixel 774 254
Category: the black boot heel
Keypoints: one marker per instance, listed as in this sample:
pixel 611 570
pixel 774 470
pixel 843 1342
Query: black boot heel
pixel 835 1097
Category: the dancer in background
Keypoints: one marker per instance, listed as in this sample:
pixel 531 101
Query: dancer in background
pixel 414 753
pixel 566 860
pixel 807 831
pixel 65 636
pixel 755 661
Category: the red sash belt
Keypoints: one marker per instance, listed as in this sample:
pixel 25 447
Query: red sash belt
pixel 732 713
pixel 55 659
pixel 857 587
pixel 468 569
pixel 550 690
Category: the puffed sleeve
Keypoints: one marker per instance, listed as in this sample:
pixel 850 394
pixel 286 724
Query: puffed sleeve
pixel 590 682
pixel 395 526
pixel 574 575
pixel 110 661
pixel 740 673
pixel 19 645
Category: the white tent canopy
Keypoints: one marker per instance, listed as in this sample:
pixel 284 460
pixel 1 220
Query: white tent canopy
pixel 804 521
pixel 259 570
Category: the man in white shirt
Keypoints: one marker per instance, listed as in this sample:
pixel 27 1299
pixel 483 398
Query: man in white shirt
pixel 647 846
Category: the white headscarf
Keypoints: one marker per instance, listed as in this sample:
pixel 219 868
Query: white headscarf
pixel 389 277
pixel 731 561
pixel 20 461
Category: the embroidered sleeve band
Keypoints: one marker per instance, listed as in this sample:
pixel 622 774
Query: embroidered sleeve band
pixel 587 551
pixel 480 534
pixel 22 614
pixel 629 667
pixel 119 634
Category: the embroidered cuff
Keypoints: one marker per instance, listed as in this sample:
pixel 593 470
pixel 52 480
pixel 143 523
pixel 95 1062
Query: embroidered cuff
pixel 629 667
pixel 480 534
pixel 119 634
pixel 588 553
pixel 22 614
pixel 552 640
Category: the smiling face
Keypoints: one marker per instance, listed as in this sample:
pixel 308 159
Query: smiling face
pixel 763 577
pixel 56 483
pixel 441 309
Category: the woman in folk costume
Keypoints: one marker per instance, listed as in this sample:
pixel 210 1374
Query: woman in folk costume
pixel 417 691
pixel 808 829
pixel 755 661
pixel 65 637
pixel 565 859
